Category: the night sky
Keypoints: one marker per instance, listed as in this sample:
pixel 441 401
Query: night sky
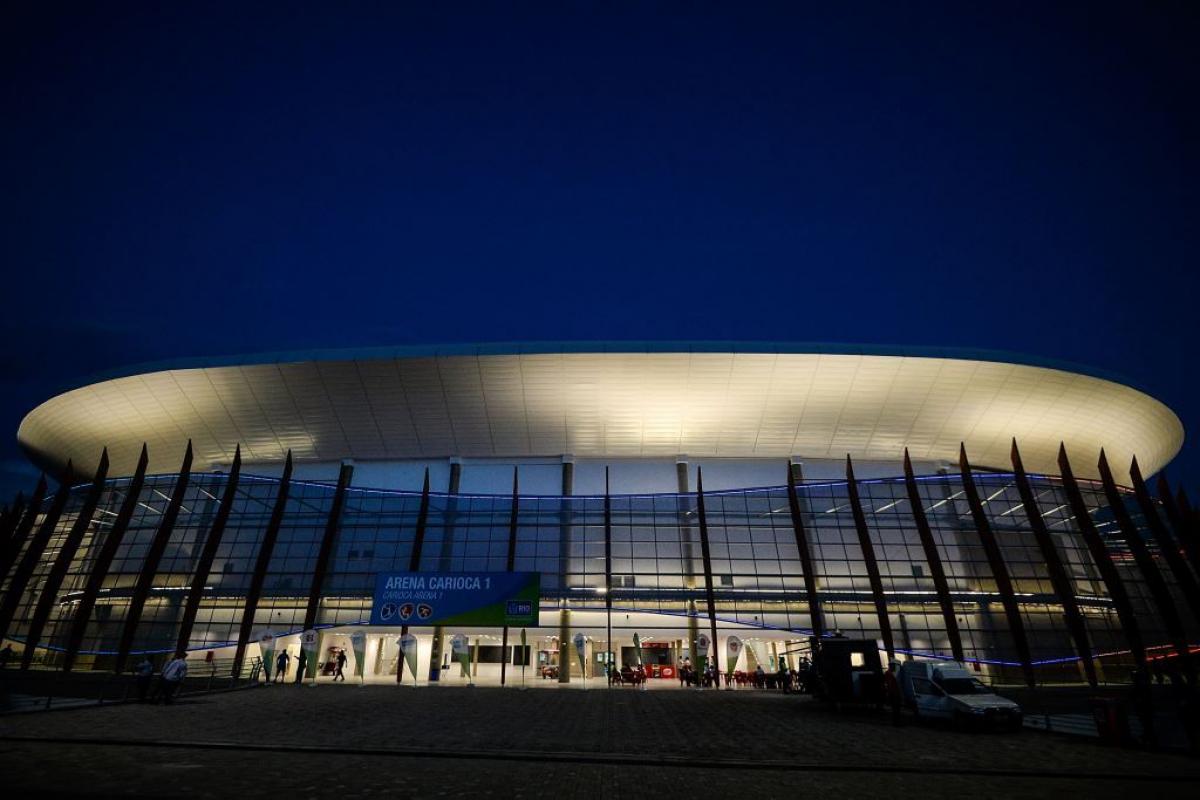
pixel 211 180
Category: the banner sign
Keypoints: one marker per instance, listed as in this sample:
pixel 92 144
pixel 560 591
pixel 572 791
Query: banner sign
pixel 701 650
pixel 358 641
pixel 462 653
pixel 266 645
pixel 733 651
pixel 408 648
pixel 484 599
pixel 580 643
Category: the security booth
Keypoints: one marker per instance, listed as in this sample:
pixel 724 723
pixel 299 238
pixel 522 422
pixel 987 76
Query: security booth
pixel 847 671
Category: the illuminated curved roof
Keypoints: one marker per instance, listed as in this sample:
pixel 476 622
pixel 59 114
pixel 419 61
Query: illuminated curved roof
pixel 606 400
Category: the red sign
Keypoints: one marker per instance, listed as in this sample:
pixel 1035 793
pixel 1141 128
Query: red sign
pixel 664 672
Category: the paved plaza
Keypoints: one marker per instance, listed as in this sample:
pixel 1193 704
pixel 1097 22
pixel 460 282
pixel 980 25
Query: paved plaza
pixel 352 741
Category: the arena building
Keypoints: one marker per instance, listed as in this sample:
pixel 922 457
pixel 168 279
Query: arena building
pixel 665 502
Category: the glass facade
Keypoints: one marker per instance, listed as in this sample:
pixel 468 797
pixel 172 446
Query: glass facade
pixel 657 568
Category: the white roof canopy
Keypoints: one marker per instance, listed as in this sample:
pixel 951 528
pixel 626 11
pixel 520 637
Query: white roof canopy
pixel 606 404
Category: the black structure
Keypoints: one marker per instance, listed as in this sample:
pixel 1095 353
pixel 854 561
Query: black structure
pixel 991 549
pixel 104 559
pixel 1054 566
pixel 933 559
pixel 806 559
pixel 211 543
pixel 709 596
pixel 872 564
pixel 1167 546
pixel 414 558
pixel 158 546
pixel 33 553
pixel 332 524
pixel 66 553
pixel 1181 523
pixel 254 593
pixel 1103 560
pixel 509 561
pixel 19 524
pixel 1145 562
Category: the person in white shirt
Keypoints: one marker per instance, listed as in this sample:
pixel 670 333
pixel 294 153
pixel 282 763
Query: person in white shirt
pixel 172 677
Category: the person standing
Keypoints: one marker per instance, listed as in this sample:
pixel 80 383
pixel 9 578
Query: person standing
pixel 891 691
pixel 172 677
pixel 341 666
pixel 143 673
pixel 301 663
pixel 281 666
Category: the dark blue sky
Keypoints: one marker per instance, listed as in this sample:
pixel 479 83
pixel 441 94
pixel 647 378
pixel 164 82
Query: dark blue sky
pixel 203 180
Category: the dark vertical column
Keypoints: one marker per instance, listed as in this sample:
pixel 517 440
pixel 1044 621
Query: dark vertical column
pixel 254 593
pixel 209 552
pixel 158 546
pixel 872 565
pixel 688 553
pixel 709 596
pixel 10 517
pixel 104 559
pixel 325 553
pixel 1054 566
pixel 1167 545
pixel 933 558
pixel 1141 555
pixel 995 558
pixel 564 544
pixel 508 566
pixel 1102 558
pixel 33 553
pixel 10 546
pixel 447 551
pixel 414 559
pixel 611 652
pixel 1181 523
pixel 62 562
pixel 444 559
pixel 815 613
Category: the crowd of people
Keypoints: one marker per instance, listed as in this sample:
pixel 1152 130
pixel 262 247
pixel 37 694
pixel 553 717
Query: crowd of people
pixel 784 679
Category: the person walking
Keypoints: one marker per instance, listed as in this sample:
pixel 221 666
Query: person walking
pixel 5 656
pixel 281 666
pixel 143 673
pixel 341 666
pixel 172 677
pixel 760 677
pixel 301 664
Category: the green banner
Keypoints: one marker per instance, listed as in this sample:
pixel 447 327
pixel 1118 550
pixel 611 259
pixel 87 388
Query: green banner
pixel 733 651
pixel 460 650
pixel 266 645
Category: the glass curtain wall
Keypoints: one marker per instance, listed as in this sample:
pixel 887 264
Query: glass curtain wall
pixel 657 567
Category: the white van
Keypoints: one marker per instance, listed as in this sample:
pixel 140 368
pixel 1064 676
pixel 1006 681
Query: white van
pixel 947 690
